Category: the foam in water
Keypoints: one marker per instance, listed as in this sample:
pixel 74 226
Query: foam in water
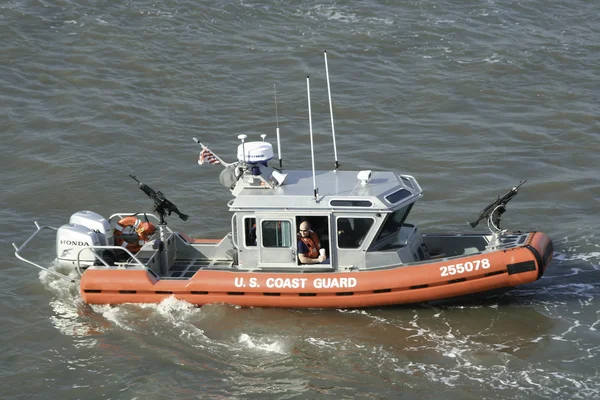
pixel 577 256
pixel 365 313
pixel 323 342
pixel 264 344
pixel 335 14
pixel 116 315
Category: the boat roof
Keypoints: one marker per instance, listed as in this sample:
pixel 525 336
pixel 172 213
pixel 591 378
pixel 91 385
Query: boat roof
pixel 381 191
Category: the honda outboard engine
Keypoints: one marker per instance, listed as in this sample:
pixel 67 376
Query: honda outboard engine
pixel 85 229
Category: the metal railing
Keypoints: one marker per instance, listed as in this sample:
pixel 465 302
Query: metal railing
pixel 22 247
pixel 98 257
pixel 132 261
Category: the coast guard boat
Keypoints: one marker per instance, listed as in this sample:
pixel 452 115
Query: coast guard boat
pixel 374 256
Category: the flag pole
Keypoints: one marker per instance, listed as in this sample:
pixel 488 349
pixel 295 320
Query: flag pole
pixel 225 164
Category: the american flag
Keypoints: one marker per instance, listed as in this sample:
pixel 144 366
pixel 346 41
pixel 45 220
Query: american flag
pixel 207 156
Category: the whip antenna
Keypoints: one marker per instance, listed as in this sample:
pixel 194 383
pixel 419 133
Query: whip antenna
pixel 337 165
pixel 277 130
pixel 312 150
pixel 243 137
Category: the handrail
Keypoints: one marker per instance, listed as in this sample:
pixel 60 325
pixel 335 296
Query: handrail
pixel 234 231
pixel 309 208
pixel 22 247
pixel 94 248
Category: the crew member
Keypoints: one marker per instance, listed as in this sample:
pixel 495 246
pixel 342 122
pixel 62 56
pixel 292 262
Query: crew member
pixel 309 246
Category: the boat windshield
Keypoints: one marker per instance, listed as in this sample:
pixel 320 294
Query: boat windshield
pixel 394 222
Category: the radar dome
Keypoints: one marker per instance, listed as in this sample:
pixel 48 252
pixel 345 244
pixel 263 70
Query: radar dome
pixel 256 152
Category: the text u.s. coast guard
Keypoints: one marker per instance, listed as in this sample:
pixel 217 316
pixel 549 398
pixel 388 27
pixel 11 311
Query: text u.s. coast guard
pixel 296 283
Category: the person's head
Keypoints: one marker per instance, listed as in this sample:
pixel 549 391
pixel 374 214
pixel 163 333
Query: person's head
pixel 304 228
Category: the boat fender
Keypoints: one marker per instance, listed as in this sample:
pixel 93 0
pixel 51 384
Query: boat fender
pixel 130 225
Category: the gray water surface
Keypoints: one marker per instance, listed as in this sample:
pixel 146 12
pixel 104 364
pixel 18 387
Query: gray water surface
pixel 469 97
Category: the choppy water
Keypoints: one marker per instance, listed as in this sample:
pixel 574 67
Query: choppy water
pixel 468 96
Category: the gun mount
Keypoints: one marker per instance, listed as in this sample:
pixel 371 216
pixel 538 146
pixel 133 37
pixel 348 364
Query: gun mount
pixel 494 211
pixel 162 206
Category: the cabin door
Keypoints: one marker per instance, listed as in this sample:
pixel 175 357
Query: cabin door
pixel 276 241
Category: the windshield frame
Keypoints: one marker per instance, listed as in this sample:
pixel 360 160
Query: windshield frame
pixel 393 222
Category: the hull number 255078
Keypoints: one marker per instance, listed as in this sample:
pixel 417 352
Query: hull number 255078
pixel 461 268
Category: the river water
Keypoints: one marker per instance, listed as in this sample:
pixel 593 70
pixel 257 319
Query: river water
pixel 470 97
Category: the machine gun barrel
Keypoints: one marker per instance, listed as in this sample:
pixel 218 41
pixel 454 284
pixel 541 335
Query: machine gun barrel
pixel 499 202
pixel 145 188
pixel 162 205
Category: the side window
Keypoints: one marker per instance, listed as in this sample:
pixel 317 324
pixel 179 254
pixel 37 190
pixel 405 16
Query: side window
pixel 276 234
pixel 250 232
pixel 352 231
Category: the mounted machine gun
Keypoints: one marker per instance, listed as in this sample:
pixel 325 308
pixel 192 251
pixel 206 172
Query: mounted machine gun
pixel 494 211
pixel 162 205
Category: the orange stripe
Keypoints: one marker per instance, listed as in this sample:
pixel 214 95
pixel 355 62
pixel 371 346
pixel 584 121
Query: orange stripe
pixel 192 240
pixel 206 240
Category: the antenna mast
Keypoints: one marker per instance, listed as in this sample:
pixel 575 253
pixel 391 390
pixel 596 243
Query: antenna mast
pixel 277 130
pixel 243 137
pixel 312 151
pixel 337 165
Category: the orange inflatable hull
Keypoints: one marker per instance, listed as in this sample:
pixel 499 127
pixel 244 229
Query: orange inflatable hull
pixel 404 284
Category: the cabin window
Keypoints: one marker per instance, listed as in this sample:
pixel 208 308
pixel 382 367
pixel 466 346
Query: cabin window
pixel 398 196
pixel 394 221
pixel 276 233
pixel 352 231
pixel 250 232
pixel 407 182
pixel 351 203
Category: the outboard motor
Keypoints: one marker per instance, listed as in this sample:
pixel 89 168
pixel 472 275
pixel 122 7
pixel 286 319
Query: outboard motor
pixel 85 228
pixel 95 222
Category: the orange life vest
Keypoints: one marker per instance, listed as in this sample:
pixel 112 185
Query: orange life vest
pixel 143 229
pixel 313 244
